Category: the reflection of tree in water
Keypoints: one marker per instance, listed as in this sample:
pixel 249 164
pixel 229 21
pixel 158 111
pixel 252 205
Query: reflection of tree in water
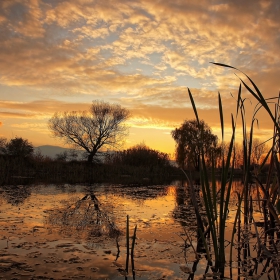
pixel 184 213
pixel 184 210
pixel 84 215
pixel 15 195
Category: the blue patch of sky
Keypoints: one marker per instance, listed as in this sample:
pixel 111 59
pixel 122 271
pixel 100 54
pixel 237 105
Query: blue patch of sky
pixel 18 12
pixel 137 65
pixel 53 3
pixel 188 81
pixel 89 42
pixel 135 27
pixel 183 79
pixel 209 85
pixel 146 13
pixel 155 58
pixel 170 44
pixel 99 41
pixel 17 15
pixel 112 37
pixel 12 93
pixel 133 65
pixel 169 71
pixel 56 34
pixel 196 65
pixel 88 98
pixel 106 53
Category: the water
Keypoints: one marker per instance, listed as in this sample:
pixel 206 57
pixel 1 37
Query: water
pixel 71 232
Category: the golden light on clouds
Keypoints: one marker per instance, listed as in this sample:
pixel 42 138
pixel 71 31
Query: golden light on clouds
pixel 142 122
pixel 61 55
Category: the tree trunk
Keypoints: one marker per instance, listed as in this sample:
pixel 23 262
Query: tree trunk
pixel 197 163
pixel 90 157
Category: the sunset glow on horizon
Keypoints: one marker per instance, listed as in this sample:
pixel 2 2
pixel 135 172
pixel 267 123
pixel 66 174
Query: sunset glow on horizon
pixel 60 55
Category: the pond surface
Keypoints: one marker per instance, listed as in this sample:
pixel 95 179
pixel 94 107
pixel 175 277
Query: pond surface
pixel 78 232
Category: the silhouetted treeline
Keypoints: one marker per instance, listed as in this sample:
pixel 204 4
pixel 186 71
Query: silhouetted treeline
pixel 138 165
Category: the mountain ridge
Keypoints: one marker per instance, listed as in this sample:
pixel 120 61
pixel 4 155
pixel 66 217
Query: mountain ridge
pixel 52 151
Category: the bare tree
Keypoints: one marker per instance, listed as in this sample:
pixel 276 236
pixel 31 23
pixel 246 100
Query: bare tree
pixel 101 126
pixel 258 149
pixel 238 161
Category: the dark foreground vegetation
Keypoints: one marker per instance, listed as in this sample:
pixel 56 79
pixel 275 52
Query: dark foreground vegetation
pixel 138 165
pixel 218 198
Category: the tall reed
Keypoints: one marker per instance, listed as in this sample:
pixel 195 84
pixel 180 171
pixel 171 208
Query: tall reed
pixel 208 187
pixel 217 209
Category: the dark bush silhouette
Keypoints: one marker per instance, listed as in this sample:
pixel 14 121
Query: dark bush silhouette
pixel 17 146
pixel 139 155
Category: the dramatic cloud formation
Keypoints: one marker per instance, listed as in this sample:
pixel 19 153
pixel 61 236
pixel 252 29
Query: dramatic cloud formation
pixel 61 55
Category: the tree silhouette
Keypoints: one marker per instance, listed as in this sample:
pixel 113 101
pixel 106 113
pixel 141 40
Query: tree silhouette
pixel 18 147
pixel 189 136
pixel 101 126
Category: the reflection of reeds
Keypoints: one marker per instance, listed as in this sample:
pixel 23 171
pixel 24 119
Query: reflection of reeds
pixel 127 243
pixel 128 251
pixel 217 210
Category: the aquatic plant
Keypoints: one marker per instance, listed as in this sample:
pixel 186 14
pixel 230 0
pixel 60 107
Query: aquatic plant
pixel 217 209
pixel 128 252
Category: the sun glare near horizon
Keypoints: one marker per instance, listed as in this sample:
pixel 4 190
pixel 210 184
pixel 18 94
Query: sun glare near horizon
pixel 143 55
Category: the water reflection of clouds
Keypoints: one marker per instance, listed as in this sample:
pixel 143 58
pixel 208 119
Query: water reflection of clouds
pixel 159 250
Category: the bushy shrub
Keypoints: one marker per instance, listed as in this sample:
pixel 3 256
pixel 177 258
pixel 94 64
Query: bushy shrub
pixel 140 155
pixel 17 147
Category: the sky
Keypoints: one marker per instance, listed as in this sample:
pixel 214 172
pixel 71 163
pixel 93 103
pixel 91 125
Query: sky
pixel 60 55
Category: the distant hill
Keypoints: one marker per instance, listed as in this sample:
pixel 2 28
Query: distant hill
pixel 52 151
